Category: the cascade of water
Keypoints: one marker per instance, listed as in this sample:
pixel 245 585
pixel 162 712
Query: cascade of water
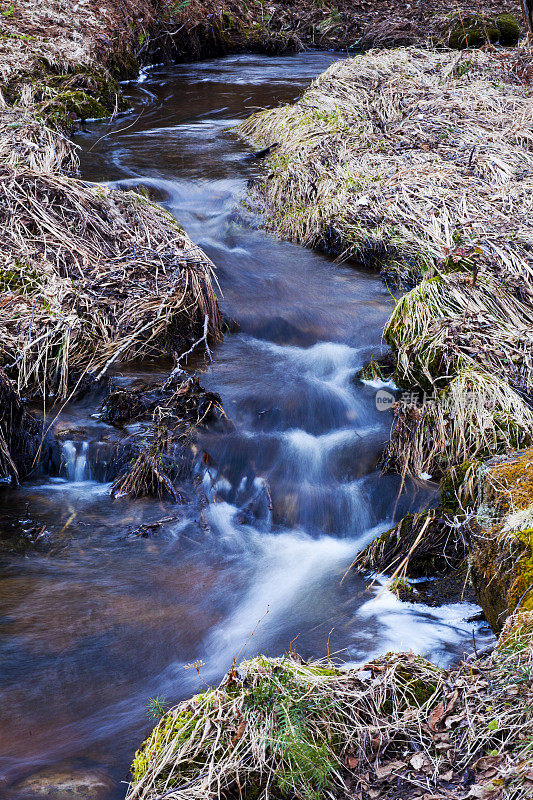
pixel 75 461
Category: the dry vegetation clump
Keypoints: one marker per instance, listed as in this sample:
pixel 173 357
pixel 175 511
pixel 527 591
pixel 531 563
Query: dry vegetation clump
pixel 164 452
pixel 396 727
pixel 402 156
pixel 90 277
pixel 421 163
pixel 476 416
pixel 25 142
pixel 20 434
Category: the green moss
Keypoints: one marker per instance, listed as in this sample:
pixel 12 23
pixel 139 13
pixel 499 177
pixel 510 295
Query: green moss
pixel 19 278
pixel 71 105
pixel 502 566
pixel 170 727
pixel 379 368
pixel 509 29
pixel 472 31
pixel 452 500
pixel 520 594
pixel 62 98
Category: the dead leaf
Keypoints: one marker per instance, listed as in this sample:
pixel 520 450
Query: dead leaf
pixel 487 763
pixel 418 761
pixel 436 716
pixel 388 769
pixel 351 762
pixel 239 734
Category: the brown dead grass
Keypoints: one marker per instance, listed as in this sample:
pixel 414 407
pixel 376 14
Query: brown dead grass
pixel 395 728
pixel 91 277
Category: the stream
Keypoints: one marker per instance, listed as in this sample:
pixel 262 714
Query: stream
pixel 126 594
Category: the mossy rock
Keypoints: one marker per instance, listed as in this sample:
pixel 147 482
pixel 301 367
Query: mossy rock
pixel 502 558
pixel 507 485
pixel 457 488
pixel 477 30
pixel 473 31
pixel 509 29
pixel 435 553
pixel 71 105
pixel 380 368
pixel 502 572
pixel 439 551
pixel 418 681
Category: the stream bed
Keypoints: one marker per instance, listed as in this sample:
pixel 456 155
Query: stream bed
pixel 126 594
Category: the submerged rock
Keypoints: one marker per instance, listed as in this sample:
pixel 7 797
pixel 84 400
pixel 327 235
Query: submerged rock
pixel 65 785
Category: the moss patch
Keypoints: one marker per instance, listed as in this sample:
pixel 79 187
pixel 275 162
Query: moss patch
pixel 509 29
pixel 473 31
pixel 502 559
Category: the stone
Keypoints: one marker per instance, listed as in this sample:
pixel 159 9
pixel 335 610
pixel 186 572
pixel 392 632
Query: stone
pixel 66 785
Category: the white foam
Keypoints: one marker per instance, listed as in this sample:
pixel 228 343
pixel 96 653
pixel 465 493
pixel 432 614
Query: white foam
pixel 416 626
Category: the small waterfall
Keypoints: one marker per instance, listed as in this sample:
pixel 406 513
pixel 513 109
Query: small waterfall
pixel 75 461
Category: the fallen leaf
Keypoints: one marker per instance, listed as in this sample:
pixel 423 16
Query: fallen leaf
pixel 418 761
pixel 438 714
pixel 388 769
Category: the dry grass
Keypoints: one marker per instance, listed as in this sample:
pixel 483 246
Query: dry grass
pixel 476 416
pixel 402 156
pixel 92 277
pixel 25 142
pixel 448 323
pixel 397 727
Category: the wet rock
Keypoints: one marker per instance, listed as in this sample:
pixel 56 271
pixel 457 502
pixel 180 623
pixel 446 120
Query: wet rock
pixel 477 30
pixel 65 785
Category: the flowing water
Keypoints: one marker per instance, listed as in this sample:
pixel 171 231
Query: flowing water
pixel 123 595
